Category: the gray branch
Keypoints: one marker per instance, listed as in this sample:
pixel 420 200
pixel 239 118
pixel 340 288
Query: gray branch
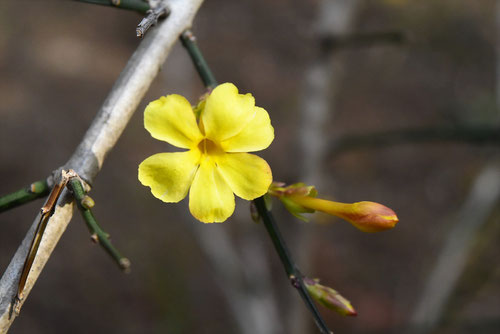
pixel 100 138
pixel 452 258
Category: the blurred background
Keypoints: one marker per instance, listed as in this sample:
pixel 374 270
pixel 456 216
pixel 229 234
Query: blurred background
pixel 370 100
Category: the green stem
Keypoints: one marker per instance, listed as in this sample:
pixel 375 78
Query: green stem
pixel 137 5
pixel 291 269
pixel 188 40
pixel 97 232
pixel 35 190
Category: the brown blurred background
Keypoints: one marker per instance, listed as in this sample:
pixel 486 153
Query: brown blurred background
pixel 436 272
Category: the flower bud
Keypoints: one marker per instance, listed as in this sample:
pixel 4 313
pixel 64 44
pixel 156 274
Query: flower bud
pixel 87 202
pixel 366 216
pixel 328 297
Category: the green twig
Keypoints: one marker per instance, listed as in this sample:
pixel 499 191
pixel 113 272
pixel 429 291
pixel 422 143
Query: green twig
pixel 188 40
pixel 291 269
pixel 35 190
pixel 137 5
pixel 478 135
pixel 98 235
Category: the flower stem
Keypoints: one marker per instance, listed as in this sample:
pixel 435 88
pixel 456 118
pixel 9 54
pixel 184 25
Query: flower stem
pixel 295 276
pixel 137 5
pixel 189 42
pixel 98 235
pixel 35 190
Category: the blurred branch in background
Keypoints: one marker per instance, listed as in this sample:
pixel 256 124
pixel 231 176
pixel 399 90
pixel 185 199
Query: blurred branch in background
pixel 253 312
pixel 100 138
pixel 434 306
pixel 457 247
pixel 331 42
pixel 477 135
pixel 320 86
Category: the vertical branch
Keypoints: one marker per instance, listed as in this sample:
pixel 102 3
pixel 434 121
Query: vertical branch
pixel 100 138
pixel 321 83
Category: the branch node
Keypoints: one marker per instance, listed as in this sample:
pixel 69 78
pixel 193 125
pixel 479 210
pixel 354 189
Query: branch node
pixel 94 238
pixel 125 265
pixel 295 282
pixel 87 202
pixel 151 19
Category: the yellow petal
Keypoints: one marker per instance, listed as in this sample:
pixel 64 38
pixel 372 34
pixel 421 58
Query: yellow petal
pixel 256 136
pixel 248 175
pixel 169 175
pixel 210 198
pixel 171 119
pixel 226 112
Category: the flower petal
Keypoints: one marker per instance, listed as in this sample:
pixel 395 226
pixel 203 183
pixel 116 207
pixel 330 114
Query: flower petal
pixel 210 198
pixel 226 112
pixel 171 119
pixel 248 175
pixel 169 175
pixel 256 136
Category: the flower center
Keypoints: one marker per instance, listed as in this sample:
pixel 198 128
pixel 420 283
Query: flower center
pixel 209 147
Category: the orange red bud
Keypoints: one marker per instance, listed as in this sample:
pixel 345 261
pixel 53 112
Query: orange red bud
pixel 366 216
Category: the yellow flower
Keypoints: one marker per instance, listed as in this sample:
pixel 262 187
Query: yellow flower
pixel 215 165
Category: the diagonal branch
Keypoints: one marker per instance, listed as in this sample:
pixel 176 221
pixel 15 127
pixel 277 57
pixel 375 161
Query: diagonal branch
pixel 100 138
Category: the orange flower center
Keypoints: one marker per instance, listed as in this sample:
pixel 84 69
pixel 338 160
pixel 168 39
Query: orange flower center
pixel 209 147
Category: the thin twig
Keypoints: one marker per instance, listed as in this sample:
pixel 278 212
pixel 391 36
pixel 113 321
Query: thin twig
pixel 45 212
pixel 293 273
pixel 35 190
pixel 137 5
pixel 188 40
pixel 98 235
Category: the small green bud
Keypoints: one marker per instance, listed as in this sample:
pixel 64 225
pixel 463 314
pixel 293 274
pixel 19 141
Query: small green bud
pixel 87 202
pixel 328 297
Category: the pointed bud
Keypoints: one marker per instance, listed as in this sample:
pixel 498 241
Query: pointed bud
pixel 328 297
pixel 299 198
pixel 366 216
